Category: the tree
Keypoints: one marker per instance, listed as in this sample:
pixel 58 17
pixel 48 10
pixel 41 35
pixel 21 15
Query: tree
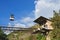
pixel 40 37
pixel 2 35
pixel 56 24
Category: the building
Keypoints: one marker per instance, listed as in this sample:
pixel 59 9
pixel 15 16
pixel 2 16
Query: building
pixel 45 26
pixel 44 22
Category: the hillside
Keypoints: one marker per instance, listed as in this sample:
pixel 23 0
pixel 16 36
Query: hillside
pixel 23 35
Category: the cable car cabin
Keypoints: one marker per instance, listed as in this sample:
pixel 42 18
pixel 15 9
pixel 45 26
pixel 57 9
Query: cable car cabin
pixel 45 24
pixel 12 17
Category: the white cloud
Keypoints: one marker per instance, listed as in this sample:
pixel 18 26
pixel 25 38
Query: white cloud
pixel 28 21
pixel 19 25
pixel 45 7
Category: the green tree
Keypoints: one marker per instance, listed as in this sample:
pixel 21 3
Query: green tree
pixel 2 35
pixel 56 24
pixel 39 37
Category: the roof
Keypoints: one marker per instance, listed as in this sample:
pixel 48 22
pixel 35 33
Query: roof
pixel 41 20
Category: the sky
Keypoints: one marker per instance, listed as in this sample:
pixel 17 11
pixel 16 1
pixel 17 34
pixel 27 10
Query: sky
pixel 19 8
pixel 26 11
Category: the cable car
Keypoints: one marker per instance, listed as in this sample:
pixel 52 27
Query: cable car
pixel 12 17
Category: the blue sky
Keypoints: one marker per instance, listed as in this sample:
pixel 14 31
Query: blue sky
pixel 20 8
pixel 26 11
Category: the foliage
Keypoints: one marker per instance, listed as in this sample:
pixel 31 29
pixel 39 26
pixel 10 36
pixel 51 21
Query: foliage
pixel 31 37
pixel 2 35
pixel 36 26
pixel 43 38
pixel 21 33
pixel 56 24
pixel 39 37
